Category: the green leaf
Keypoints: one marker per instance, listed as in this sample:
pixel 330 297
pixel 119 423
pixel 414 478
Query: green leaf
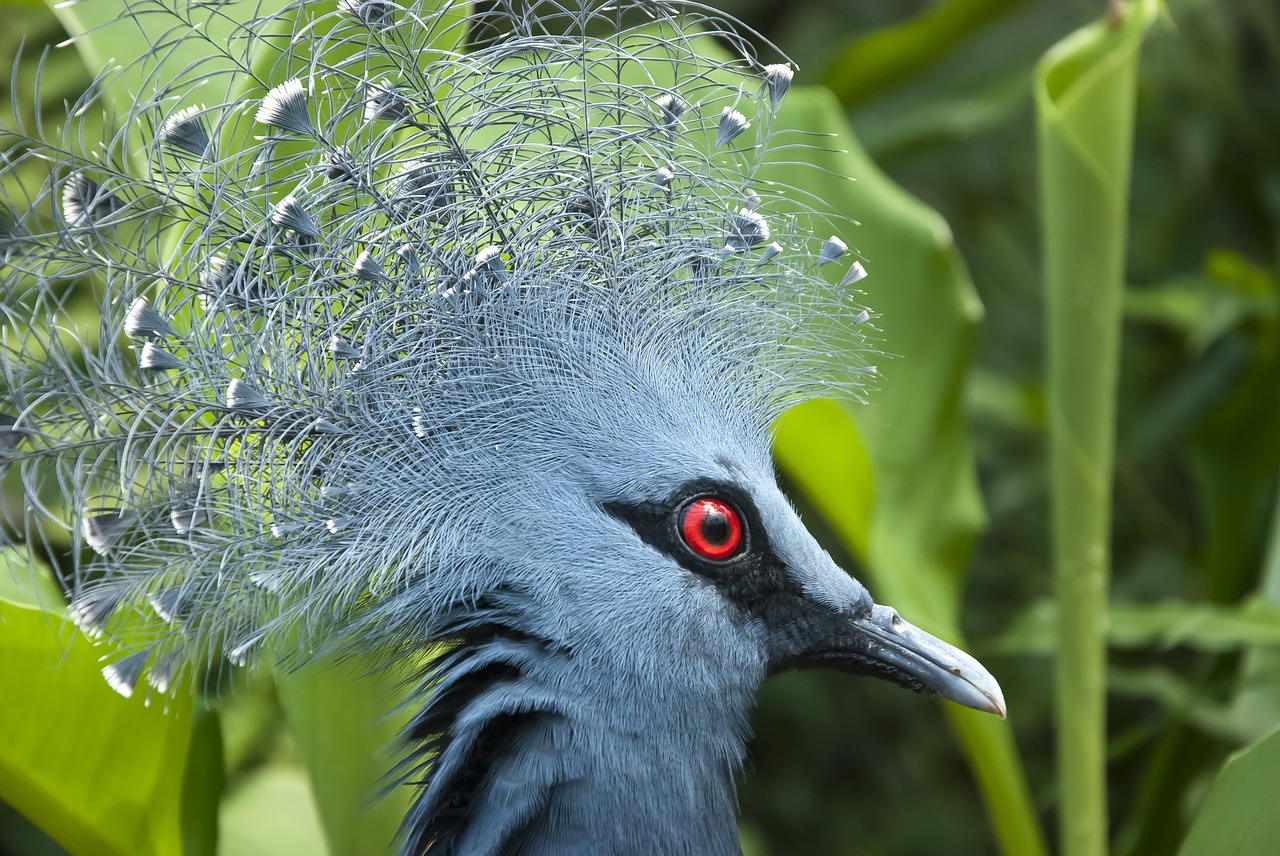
pixel 273 813
pixel 926 508
pixel 872 63
pixel 1164 624
pixel 346 720
pixel 1239 816
pixel 1205 307
pixel 844 496
pixel 201 50
pixel 99 773
pixel 1084 90
pixel 1258 694
pixel 914 512
pixel 147 49
pixel 1206 626
pixel 341 723
pixel 1186 699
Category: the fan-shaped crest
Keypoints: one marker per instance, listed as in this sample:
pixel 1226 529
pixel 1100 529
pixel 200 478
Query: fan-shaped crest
pixel 355 300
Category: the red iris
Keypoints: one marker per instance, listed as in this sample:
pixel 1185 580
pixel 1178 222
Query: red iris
pixel 712 528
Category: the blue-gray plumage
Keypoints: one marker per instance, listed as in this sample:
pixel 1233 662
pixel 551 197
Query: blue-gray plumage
pixel 413 349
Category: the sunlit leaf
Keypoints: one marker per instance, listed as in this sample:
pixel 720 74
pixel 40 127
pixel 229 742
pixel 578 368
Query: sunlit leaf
pixel 108 39
pixel 846 494
pixel 99 773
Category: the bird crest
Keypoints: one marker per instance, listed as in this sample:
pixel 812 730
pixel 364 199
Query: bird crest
pixel 357 304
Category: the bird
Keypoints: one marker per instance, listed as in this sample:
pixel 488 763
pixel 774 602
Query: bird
pixel 455 339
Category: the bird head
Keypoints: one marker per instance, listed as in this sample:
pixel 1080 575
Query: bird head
pixel 474 353
pixel 639 586
pixel 664 511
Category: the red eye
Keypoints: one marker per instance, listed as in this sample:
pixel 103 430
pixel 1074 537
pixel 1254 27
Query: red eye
pixel 712 529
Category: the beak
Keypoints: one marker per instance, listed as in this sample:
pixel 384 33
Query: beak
pixel 883 645
pixel 942 668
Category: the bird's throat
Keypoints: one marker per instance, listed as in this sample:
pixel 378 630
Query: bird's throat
pixel 516 752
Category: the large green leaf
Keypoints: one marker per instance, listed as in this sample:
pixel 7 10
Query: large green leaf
pixel 917 500
pixel 1239 816
pixel 99 773
pixel 147 51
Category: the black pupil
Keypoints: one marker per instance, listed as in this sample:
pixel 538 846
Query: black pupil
pixel 715 528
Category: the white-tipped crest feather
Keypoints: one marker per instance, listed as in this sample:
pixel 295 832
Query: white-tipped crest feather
pixel 491 292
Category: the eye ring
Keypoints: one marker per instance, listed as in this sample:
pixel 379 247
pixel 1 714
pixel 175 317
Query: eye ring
pixel 711 528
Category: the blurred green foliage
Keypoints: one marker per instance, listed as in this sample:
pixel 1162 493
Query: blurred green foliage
pixel 939 95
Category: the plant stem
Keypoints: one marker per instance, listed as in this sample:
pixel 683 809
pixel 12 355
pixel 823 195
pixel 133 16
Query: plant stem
pixel 1085 93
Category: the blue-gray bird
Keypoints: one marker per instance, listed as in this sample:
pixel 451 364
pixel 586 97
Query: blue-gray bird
pixel 422 333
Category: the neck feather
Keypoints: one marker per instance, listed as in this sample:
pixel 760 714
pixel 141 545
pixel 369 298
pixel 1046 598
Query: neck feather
pixel 517 752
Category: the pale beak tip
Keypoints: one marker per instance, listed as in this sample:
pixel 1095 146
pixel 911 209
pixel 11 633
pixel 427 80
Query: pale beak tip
pixel 997 701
